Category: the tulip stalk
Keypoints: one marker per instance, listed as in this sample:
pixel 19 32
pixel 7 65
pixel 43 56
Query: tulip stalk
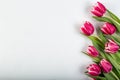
pixel 114 75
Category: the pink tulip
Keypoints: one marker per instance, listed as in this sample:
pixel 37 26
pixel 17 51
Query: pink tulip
pixel 108 29
pixel 94 69
pixel 87 28
pixel 92 51
pixel 99 9
pixel 105 65
pixel 111 47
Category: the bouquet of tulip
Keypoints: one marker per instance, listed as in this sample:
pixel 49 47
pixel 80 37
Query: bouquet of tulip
pixel 105 51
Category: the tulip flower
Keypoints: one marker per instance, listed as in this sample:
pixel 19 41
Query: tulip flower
pixel 108 28
pixel 105 65
pixel 87 28
pixel 94 69
pixel 111 47
pixel 99 10
pixel 92 51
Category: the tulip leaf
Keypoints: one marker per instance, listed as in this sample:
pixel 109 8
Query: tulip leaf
pixel 102 19
pixel 97 77
pixel 96 40
pixel 115 71
pixel 116 57
pixel 116 24
pixel 102 36
pixel 109 76
pixel 100 78
pixel 98 44
pixel 113 62
pixel 116 38
pixel 113 74
pixel 113 16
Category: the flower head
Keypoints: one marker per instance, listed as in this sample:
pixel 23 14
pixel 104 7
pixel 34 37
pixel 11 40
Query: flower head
pixel 111 47
pixel 108 28
pixel 92 51
pixel 99 9
pixel 94 69
pixel 87 28
pixel 105 65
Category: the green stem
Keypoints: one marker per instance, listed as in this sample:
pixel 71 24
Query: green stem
pixel 114 75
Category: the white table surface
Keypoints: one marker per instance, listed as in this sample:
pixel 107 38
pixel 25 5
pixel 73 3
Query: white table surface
pixel 40 39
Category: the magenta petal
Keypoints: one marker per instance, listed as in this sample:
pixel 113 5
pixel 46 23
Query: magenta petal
pixel 105 65
pixel 87 28
pixel 102 7
pixel 99 10
pixel 111 47
pixel 96 13
pixel 92 51
pixel 108 28
pixel 94 69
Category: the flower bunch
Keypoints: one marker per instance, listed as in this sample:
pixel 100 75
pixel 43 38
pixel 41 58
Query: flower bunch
pixel 105 51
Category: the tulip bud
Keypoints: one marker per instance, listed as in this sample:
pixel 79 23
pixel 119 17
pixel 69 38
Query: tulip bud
pixel 105 65
pixel 99 9
pixel 92 51
pixel 94 69
pixel 111 47
pixel 87 28
pixel 108 29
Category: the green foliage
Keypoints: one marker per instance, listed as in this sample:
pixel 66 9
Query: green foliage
pixel 113 16
pixel 98 77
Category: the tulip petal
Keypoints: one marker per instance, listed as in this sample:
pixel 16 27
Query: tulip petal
pixel 102 7
pixel 94 69
pixel 96 13
pixel 87 28
pixel 105 65
pixel 98 10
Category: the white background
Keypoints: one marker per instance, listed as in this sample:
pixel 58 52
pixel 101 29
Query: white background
pixel 40 39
